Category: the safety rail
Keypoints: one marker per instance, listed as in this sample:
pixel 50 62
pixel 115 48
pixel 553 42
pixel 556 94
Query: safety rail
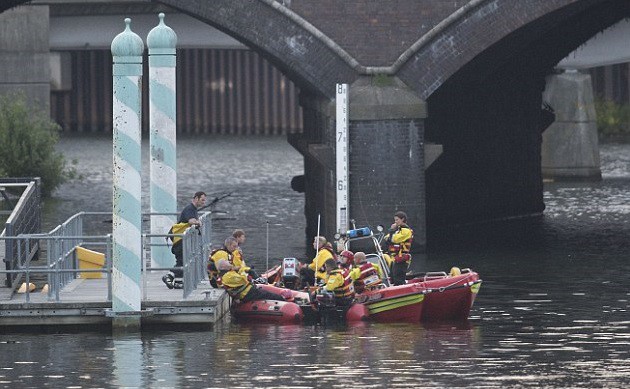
pixel 25 217
pixel 62 265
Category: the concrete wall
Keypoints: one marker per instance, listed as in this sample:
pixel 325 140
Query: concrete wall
pixel 570 146
pixel 24 54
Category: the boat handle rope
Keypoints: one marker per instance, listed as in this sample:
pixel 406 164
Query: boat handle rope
pixel 454 285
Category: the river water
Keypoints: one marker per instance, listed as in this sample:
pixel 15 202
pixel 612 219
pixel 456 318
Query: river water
pixel 552 311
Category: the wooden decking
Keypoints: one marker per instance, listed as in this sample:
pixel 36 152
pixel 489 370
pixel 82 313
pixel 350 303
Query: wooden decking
pixel 84 302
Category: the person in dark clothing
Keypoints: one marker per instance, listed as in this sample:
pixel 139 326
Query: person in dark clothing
pixel 188 217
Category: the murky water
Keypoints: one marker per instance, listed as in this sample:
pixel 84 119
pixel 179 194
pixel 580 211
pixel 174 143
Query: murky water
pixel 552 312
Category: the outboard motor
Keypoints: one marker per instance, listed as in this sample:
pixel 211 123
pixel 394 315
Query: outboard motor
pixel 290 273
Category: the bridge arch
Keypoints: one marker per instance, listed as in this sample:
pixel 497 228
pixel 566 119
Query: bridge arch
pixel 309 58
pixel 487 33
pixel 483 78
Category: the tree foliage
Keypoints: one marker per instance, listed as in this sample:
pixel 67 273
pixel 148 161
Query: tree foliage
pixel 612 118
pixel 27 144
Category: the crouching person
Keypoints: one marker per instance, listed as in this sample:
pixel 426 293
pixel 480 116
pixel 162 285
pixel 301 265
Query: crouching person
pixel 238 286
pixel 338 284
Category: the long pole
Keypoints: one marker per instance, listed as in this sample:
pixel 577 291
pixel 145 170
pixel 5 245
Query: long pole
pixel 127 48
pixel 267 251
pixel 319 216
pixel 161 42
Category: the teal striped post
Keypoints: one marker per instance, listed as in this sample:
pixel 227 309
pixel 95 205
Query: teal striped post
pixel 127 48
pixel 161 42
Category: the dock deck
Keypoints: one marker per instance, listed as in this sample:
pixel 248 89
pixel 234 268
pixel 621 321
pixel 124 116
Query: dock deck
pixel 84 302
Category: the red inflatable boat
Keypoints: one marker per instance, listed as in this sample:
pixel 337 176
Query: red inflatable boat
pixel 448 297
pixel 268 311
pixel 403 303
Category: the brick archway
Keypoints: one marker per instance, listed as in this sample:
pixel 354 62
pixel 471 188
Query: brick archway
pixel 493 31
pixel 290 43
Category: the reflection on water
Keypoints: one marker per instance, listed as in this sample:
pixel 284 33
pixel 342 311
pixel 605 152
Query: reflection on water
pixel 552 311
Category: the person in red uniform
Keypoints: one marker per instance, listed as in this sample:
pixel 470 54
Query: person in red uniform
pixel 366 275
pixel 346 260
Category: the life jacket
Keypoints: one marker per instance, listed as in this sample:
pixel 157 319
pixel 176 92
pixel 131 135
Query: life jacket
pixel 237 260
pixel 320 259
pixel 213 272
pixel 242 287
pixel 345 290
pixel 178 228
pixel 400 250
pixel 368 278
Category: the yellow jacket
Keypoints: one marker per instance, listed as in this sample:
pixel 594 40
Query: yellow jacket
pixel 221 254
pixel 214 259
pixel 400 242
pixel 338 284
pixel 238 261
pixel 317 265
pixel 236 284
pixel 334 281
pixel 178 228
pixel 355 273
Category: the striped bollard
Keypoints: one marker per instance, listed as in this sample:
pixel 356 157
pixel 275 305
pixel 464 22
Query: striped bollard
pixel 161 42
pixel 127 48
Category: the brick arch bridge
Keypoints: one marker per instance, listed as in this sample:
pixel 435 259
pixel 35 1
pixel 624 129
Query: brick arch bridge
pixel 465 74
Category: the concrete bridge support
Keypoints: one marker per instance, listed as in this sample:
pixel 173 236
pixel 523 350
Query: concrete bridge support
pixel 570 149
pixel 386 138
pixel 24 55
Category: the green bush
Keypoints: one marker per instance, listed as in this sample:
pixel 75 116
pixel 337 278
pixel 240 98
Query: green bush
pixel 612 118
pixel 27 144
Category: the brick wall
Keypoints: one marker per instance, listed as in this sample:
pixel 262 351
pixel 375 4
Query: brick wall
pixel 375 32
pixel 387 173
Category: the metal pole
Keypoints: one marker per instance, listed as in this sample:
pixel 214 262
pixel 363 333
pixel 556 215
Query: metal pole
pixel 161 42
pixel 319 217
pixel 267 250
pixel 127 48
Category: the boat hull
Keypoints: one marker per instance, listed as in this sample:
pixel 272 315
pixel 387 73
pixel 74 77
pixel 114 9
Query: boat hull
pixel 268 311
pixel 403 303
pixel 449 297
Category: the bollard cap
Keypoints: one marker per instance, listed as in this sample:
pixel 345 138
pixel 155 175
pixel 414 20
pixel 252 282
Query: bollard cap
pixel 161 38
pixel 127 43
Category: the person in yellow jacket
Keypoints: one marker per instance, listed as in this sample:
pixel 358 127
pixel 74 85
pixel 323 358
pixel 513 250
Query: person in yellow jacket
pixel 366 275
pixel 239 287
pixel 399 239
pixel 316 272
pixel 226 252
pixel 237 255
pixel 338 284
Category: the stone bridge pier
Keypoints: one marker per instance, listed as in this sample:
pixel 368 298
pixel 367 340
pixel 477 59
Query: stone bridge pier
pixel 386 151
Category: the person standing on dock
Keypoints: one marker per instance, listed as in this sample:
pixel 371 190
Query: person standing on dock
pixel 399 241
pixel 189 217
